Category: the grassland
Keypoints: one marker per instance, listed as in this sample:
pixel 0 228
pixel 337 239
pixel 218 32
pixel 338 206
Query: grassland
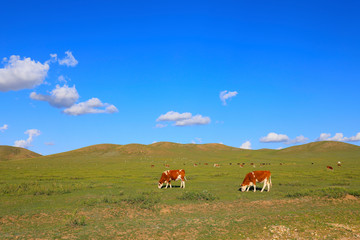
pixel 110 192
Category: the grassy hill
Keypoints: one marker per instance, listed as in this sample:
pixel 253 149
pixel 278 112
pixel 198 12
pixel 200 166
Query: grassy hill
pixel 323 146
pixel 11 153
pixel 109 191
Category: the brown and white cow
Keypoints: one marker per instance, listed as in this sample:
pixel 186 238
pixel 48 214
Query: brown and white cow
pixel 256 176
pixel 175 175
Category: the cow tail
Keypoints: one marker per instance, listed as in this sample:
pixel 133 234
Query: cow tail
pixel 185 178
pixel 270 181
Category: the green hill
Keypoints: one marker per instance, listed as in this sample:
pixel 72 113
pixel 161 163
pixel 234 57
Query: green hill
pixel 11 153
pixel 321 147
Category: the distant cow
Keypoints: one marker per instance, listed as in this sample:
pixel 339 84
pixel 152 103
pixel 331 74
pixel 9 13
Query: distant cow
pixel 339 164
pixel 167 165
pixel 329 167
pixel 206 164
pixel 175 175
pixel 195 165
pixel 216 165
pixel 152 166
pixel 256 176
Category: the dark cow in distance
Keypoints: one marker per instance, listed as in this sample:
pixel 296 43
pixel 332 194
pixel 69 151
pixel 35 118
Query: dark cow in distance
pixel 175 175
pixel 329 167
pixel 256 176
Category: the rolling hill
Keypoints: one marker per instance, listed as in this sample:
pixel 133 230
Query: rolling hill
pixel 11 153
pixel 320 147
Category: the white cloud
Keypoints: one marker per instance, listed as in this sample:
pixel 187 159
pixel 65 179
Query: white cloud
pixel 298 139
pixel 353 138
pixel 323 137
pixel 327 137
pixel 4 127
pixel 246 145
pixel 274 137
pixel 184 119
pixel 23 73
pixel 195 120
pixel 174 116
pixel 93 105
pixel 27 143
pixel 224 95
pixel 337 137
pixel 59 97
pixel 69 60
pixel 49 143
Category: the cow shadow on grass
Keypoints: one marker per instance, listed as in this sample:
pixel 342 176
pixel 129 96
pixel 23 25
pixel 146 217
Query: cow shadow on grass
pixel 252 189
pixel 172 186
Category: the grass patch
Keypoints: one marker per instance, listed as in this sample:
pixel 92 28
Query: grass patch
pixel 325 192
pixel 198 196
pixel 39 188
pixel 76 220
pixel 145 200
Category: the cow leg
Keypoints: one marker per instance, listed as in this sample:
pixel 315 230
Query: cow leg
pixel 170 184
pixel 167 184
pixel 183 182
pixel 265 184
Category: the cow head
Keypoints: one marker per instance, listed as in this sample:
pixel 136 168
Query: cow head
pixel 243 187
pixel 160 185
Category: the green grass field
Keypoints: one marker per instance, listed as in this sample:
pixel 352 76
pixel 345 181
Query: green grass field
pixel 110 192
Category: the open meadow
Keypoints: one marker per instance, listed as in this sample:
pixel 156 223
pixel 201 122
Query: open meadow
pixel 110 192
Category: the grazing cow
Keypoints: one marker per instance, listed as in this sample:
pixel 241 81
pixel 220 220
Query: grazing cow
pixel 152 166
pixel 206 164
pixel 256 176
pixel 230 163
pixel 195 165
pixel 216 165
pixel 167 165
pixel 238 163
pixel 339 164
pixel 175 175
pixel 329 167
pixel 241 166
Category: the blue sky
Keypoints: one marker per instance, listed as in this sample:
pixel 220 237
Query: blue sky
pixel 75 74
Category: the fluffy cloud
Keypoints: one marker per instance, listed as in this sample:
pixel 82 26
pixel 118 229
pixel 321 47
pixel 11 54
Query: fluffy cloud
pixel 93 105
pixel 195 120
pixel 274 137
pixel 338 137
pixel 4 127
pixel 27 143
pixel 246 145
pixel 298 139
pixel 224 95
pixel 353 138
pixel 174 116
pixel 184 119
pixel 69 60
pixel 60 97
pixel 23 73
pixel 327 137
